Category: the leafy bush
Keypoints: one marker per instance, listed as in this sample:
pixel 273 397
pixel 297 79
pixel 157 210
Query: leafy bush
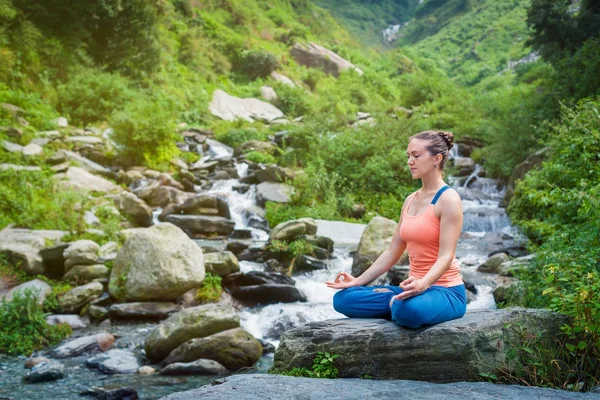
pixel 23 327
pixel 29 200
pixel 145 131
pixel 558 208
pixel 91 96
pixel 234 137
pixel 293 101
pixel 210 290
pixel 261 158
pixel 256 63
pixel 323 367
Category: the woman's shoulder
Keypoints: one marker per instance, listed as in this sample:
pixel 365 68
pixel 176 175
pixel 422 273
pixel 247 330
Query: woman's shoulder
pixel 450 198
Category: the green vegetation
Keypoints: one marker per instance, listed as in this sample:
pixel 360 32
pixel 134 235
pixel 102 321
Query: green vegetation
pixel 145 68
pixel 557 206
pixel 323 367
pixel 210 290
pixel 23 328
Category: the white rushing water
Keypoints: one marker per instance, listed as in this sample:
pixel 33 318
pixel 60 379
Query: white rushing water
pixel 485 226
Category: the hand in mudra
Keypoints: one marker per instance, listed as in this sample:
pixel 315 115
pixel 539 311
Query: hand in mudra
pixel 412 287
pixel 343 280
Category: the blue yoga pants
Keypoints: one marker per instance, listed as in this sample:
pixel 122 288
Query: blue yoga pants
pixel 436 304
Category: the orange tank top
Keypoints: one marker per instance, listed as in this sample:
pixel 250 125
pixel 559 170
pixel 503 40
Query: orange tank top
pixel 421 233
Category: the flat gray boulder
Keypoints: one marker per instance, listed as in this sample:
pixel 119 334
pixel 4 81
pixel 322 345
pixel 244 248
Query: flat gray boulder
pixel 314 56
pixel 275 192
pixel 230 108
pixel 202 224
pixel 452 351
pixel 277 387
pixel 92 343
pixel 81 180
pixel 115 361
pixel 198 367
pixel 37 286
pixel 143 310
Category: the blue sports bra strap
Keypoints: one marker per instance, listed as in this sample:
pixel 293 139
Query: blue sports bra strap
pixel 439 193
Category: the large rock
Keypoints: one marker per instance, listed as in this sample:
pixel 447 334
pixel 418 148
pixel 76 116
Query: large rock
pixel 289 230
pixel 492 264
pixel 230 108
pixel 81 252
pixel 263 287
pixel 143 310
pixel 376 238
pixel 134 207
pixel 159 263
pixel 198 367
pixel 272 173
pixel 45 372
pixel 38 287
pixel 15 167
pixel 314 56
pixel 156 195
pixel 234 349
pixel 452 351
pixel 32 150
pixel 464 166
pixel 73 320
pixel 93 343
pixel 80 179
pixel 221 263
pixel 24 256
pixel 115 361
pixel 278 387
pixel 86 273
pixel 276 76
pixel 85 163
pixel 275 192
pixel 12 147
pixel 76 298
pixel 521 170
pixel 206 205
pixel 190 323
pixel 202 224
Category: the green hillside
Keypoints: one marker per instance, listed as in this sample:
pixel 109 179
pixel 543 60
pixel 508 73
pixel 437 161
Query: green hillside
pixel 148 71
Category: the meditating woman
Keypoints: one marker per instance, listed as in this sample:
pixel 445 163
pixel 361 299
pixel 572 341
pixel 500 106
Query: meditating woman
pixel 429 228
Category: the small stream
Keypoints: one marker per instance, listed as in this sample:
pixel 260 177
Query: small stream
pixel 486 229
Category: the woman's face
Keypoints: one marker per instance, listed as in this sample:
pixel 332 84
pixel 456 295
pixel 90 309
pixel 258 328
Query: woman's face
pixel 420 161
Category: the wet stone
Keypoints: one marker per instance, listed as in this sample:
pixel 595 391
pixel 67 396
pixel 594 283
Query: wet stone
pixel 45 372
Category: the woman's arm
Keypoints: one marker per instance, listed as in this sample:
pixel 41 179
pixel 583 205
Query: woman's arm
pixel 451 220
pixel 384 262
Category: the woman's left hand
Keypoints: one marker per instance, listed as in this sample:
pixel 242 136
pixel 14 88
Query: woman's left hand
pixel 412 287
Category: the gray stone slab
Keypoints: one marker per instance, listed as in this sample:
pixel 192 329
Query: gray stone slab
pixel 274 387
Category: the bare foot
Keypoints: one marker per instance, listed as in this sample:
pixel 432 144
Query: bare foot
pixel 381 290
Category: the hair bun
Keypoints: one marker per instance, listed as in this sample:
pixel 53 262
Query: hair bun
pixel 448 138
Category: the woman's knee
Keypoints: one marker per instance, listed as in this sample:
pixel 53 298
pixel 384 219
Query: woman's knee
pixel 341 301
pixel 407 313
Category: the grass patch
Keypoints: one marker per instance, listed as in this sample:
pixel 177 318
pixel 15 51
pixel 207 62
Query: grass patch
pixel 23 328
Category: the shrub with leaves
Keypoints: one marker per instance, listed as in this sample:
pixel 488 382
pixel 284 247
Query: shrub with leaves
pixel 558 207
pixel 145 131
pixel 210 290
pixel 23 327
pixel 323 367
